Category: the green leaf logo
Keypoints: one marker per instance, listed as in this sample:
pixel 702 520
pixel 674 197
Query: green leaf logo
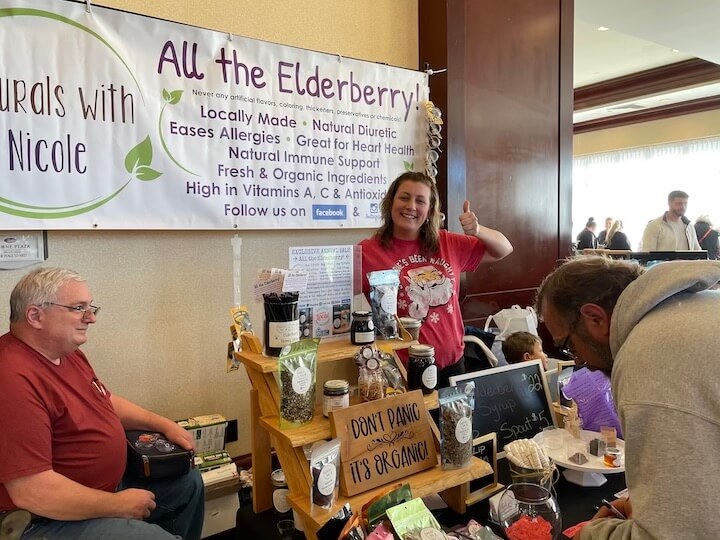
pixel 138 160
pixel 22 209
pixel 146 173
pixel 409 165
pixel 172 98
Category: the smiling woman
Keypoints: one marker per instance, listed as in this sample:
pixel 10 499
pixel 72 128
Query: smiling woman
pixel 430 261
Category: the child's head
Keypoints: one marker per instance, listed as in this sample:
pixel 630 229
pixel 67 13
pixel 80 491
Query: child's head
pixel 523 346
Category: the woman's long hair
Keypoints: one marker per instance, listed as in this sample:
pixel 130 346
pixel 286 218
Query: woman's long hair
pixel 429 231
pixel 616 227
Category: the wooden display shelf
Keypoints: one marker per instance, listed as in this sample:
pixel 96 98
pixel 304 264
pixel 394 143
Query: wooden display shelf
pixel 427 482
pixel 266 434
pixel 319 427
pixel 264 402
pixel 330 351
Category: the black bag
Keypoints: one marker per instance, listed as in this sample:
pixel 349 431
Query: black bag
pixel 151 456
pixel 475 357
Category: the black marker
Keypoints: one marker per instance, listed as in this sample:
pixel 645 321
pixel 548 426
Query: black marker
pixel 618 514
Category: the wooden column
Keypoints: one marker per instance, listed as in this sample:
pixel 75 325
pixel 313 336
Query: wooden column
pixel 507 102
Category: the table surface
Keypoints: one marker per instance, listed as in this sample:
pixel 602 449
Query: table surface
pixel 576 503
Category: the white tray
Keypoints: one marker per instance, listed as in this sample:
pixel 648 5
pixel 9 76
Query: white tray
pixel 588 474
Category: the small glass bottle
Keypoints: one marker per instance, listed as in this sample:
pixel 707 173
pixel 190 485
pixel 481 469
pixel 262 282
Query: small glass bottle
pixel 336 395
pixel 362 330
pixel 422 371
pixel 280 493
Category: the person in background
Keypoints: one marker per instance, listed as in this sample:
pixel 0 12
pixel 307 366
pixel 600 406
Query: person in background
pixel 63 431
pixel 707 236
pixel 602 237
pixel 616 239
pixel 586 239
pixel 430 261
pixel 523 346
pixel 654 333
pixel 672 231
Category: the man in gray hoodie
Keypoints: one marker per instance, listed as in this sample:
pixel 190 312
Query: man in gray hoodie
pixel 654 331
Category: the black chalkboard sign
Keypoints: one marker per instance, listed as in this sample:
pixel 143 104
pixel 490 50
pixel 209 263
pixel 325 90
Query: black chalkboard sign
pixel 511 400
pixel 485 448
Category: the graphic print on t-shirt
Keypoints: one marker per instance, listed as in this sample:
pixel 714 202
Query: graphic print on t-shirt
pixel 426 287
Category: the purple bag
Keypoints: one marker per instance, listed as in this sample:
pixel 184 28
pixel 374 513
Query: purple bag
pixel 591 391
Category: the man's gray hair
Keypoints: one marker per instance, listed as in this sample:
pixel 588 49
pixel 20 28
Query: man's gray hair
pixel 586 279
pixel 37 288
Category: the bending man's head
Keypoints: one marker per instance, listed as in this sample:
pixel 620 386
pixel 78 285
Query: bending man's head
pixel 577 300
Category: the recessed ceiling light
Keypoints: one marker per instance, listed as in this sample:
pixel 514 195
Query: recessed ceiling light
pixel 602 29
pixel 674 50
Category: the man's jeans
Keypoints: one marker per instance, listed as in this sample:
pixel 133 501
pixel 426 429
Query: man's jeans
pixel 179 514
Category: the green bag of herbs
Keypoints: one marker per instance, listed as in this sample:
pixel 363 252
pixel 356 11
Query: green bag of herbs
pixel 297 368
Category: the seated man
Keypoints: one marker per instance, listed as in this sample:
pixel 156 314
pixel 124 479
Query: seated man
pixel 63 440
pixel 523 346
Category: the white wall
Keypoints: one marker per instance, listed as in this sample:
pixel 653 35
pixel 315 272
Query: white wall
pixel 161 338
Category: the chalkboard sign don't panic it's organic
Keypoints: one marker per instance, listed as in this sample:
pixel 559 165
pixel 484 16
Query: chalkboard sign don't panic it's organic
pixel 511 400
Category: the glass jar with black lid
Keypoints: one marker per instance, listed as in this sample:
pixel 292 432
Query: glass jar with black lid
pixel 422 371
pixel 362 330
pixel 336 395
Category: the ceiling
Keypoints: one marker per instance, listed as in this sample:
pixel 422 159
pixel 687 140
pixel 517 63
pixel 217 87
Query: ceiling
pixel 641 35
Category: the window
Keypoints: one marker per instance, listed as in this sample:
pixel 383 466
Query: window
pixel 633 184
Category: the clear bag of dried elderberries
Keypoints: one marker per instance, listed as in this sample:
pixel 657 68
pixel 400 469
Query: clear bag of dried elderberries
pixel 456 429
pixel 297 367
pixel 324 465
pixel 384 285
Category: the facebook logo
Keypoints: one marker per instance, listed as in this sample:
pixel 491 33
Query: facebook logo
pixel 329 211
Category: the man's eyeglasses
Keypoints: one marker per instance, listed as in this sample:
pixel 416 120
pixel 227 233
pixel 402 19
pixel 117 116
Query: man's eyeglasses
pixel 564 348
pixel 79 309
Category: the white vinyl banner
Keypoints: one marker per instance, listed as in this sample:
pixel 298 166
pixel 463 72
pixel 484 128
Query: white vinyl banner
pixel 112 120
